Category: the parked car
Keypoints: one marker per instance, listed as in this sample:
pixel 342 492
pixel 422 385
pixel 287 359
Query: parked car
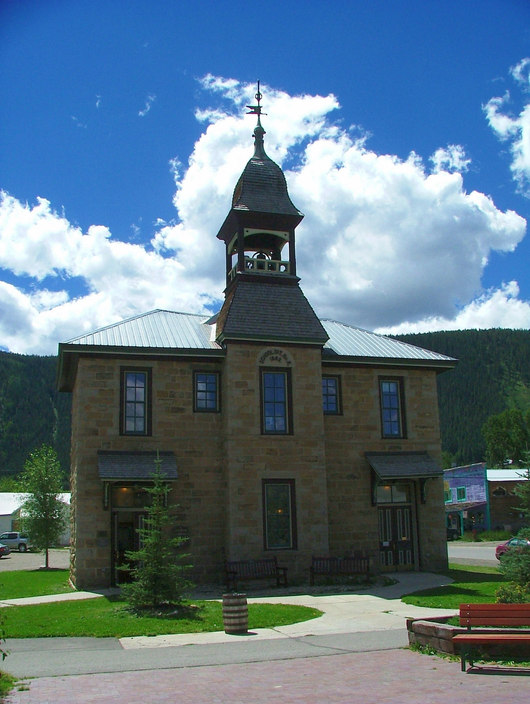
pixel 15 541
pixel 4 550
pixel 502 549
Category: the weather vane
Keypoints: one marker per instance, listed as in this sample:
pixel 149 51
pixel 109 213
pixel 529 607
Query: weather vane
pixel 256 109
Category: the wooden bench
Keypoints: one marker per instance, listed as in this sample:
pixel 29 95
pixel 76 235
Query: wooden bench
pixel 515 641
pixel 244 570
pixel 339 567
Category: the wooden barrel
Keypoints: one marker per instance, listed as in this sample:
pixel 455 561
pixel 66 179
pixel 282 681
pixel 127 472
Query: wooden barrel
pixel 235 613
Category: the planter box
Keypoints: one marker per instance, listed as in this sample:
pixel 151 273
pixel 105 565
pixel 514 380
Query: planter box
pixel 435 633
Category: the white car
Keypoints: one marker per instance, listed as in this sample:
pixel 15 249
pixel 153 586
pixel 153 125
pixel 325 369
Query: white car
pixel 15 541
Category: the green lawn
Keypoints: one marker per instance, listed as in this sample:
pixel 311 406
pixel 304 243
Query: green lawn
pixel 23 583
pixel 109 617
pixel 472 584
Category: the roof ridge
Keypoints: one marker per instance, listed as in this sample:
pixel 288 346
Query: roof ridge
pixel 135 317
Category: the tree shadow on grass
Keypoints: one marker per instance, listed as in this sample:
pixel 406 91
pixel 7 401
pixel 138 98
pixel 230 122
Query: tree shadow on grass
pixel 167 612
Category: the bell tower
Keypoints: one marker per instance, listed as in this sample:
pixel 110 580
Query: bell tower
pixel 259 229
pixel 263 300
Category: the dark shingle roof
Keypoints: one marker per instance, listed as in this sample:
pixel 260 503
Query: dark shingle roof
pixel 269 311
pixel 136 466
pixel 262 188
pixel 403 465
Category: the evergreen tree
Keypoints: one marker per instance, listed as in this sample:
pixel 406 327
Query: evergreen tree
pixel 507 437
pixel 157 568
pixel 44 515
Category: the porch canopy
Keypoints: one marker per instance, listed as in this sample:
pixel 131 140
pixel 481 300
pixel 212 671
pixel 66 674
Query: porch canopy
pixel 403 465
pixel 117 465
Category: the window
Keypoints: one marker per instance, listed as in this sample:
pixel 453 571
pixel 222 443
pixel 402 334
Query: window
pixel 391 394
pixel 331 394
pixel 448 496
pixel 275 402
pixel 499 491
pixel 206 391
pixel 461 493
pixel 279 514
pixel 393 494
pixel 136 405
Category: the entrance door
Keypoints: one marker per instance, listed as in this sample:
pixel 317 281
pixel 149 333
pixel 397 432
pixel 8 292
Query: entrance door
pixel 395 538
pixel 125 525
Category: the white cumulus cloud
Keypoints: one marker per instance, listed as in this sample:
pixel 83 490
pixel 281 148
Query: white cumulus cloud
pixel 514 127
pixel 385 242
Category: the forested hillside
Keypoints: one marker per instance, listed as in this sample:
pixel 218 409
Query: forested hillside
pixel 32 412
pixel 493 373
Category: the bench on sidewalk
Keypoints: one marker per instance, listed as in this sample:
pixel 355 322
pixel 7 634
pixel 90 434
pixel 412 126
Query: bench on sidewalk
pixel 515 642
pixel 244 570
pixel 339 567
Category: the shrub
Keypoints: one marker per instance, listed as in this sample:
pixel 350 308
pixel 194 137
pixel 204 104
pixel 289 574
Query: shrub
pixel 515 566
pixel 512 594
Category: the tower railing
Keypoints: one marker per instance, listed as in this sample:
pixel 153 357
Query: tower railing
pixel 263 266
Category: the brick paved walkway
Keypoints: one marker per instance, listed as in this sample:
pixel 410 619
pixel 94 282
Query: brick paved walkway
pixel 383 677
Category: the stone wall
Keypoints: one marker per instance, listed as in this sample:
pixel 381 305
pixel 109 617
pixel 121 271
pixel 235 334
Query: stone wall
pixel 223 458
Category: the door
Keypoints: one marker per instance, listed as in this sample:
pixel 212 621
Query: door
pixel 125 536
pixel 395 538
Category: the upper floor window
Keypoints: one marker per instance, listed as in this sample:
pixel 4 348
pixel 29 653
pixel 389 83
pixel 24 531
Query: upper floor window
pixel 331 394
pixel 392 416
pixel 136 401
pixel 275 402
pixel 206 391
pixel 461 493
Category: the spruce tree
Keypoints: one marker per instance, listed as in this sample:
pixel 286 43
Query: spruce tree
pixel 157 568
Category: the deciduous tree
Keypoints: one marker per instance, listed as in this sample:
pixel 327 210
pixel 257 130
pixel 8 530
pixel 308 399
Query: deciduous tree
pixel 43 513
pixel 507 437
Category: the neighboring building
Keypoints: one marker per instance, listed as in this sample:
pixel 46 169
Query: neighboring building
pixel 503 502
pixel 477 498
pixel 11 512
pixel 281 434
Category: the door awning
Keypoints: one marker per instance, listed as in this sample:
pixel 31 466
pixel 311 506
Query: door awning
pixel 115 465
pixel 403 465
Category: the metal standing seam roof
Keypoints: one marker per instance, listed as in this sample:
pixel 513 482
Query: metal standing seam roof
pixel 348 341
pixel 157 329
pixel 171 330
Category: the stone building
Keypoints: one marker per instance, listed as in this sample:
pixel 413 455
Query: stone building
pixel 281 434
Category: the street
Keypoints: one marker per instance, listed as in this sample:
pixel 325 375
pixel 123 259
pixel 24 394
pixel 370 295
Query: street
pixel 59 558
pixel 473 553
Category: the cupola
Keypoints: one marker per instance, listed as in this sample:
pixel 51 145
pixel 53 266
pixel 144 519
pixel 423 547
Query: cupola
pixel 263 299
pixel 258 232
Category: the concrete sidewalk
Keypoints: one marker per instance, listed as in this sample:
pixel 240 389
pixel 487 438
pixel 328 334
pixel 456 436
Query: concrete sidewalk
pixel 369 618
pixel 352 654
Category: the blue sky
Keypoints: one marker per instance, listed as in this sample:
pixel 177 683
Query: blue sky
pixel 403 127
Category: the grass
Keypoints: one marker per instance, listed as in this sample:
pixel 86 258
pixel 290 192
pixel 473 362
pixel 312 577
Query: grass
pixel 110 617
pixel 24 583
pixel 498 536
pixel 472 584
pixel 7 682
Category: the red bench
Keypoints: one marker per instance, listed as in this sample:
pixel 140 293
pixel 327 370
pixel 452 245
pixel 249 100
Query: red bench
pixel 516 642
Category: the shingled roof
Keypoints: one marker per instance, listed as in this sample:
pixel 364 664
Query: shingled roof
pixel 269 310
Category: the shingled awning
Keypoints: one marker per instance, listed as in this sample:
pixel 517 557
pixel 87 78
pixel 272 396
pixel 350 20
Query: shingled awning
pixel 403 465
pixel 117 465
